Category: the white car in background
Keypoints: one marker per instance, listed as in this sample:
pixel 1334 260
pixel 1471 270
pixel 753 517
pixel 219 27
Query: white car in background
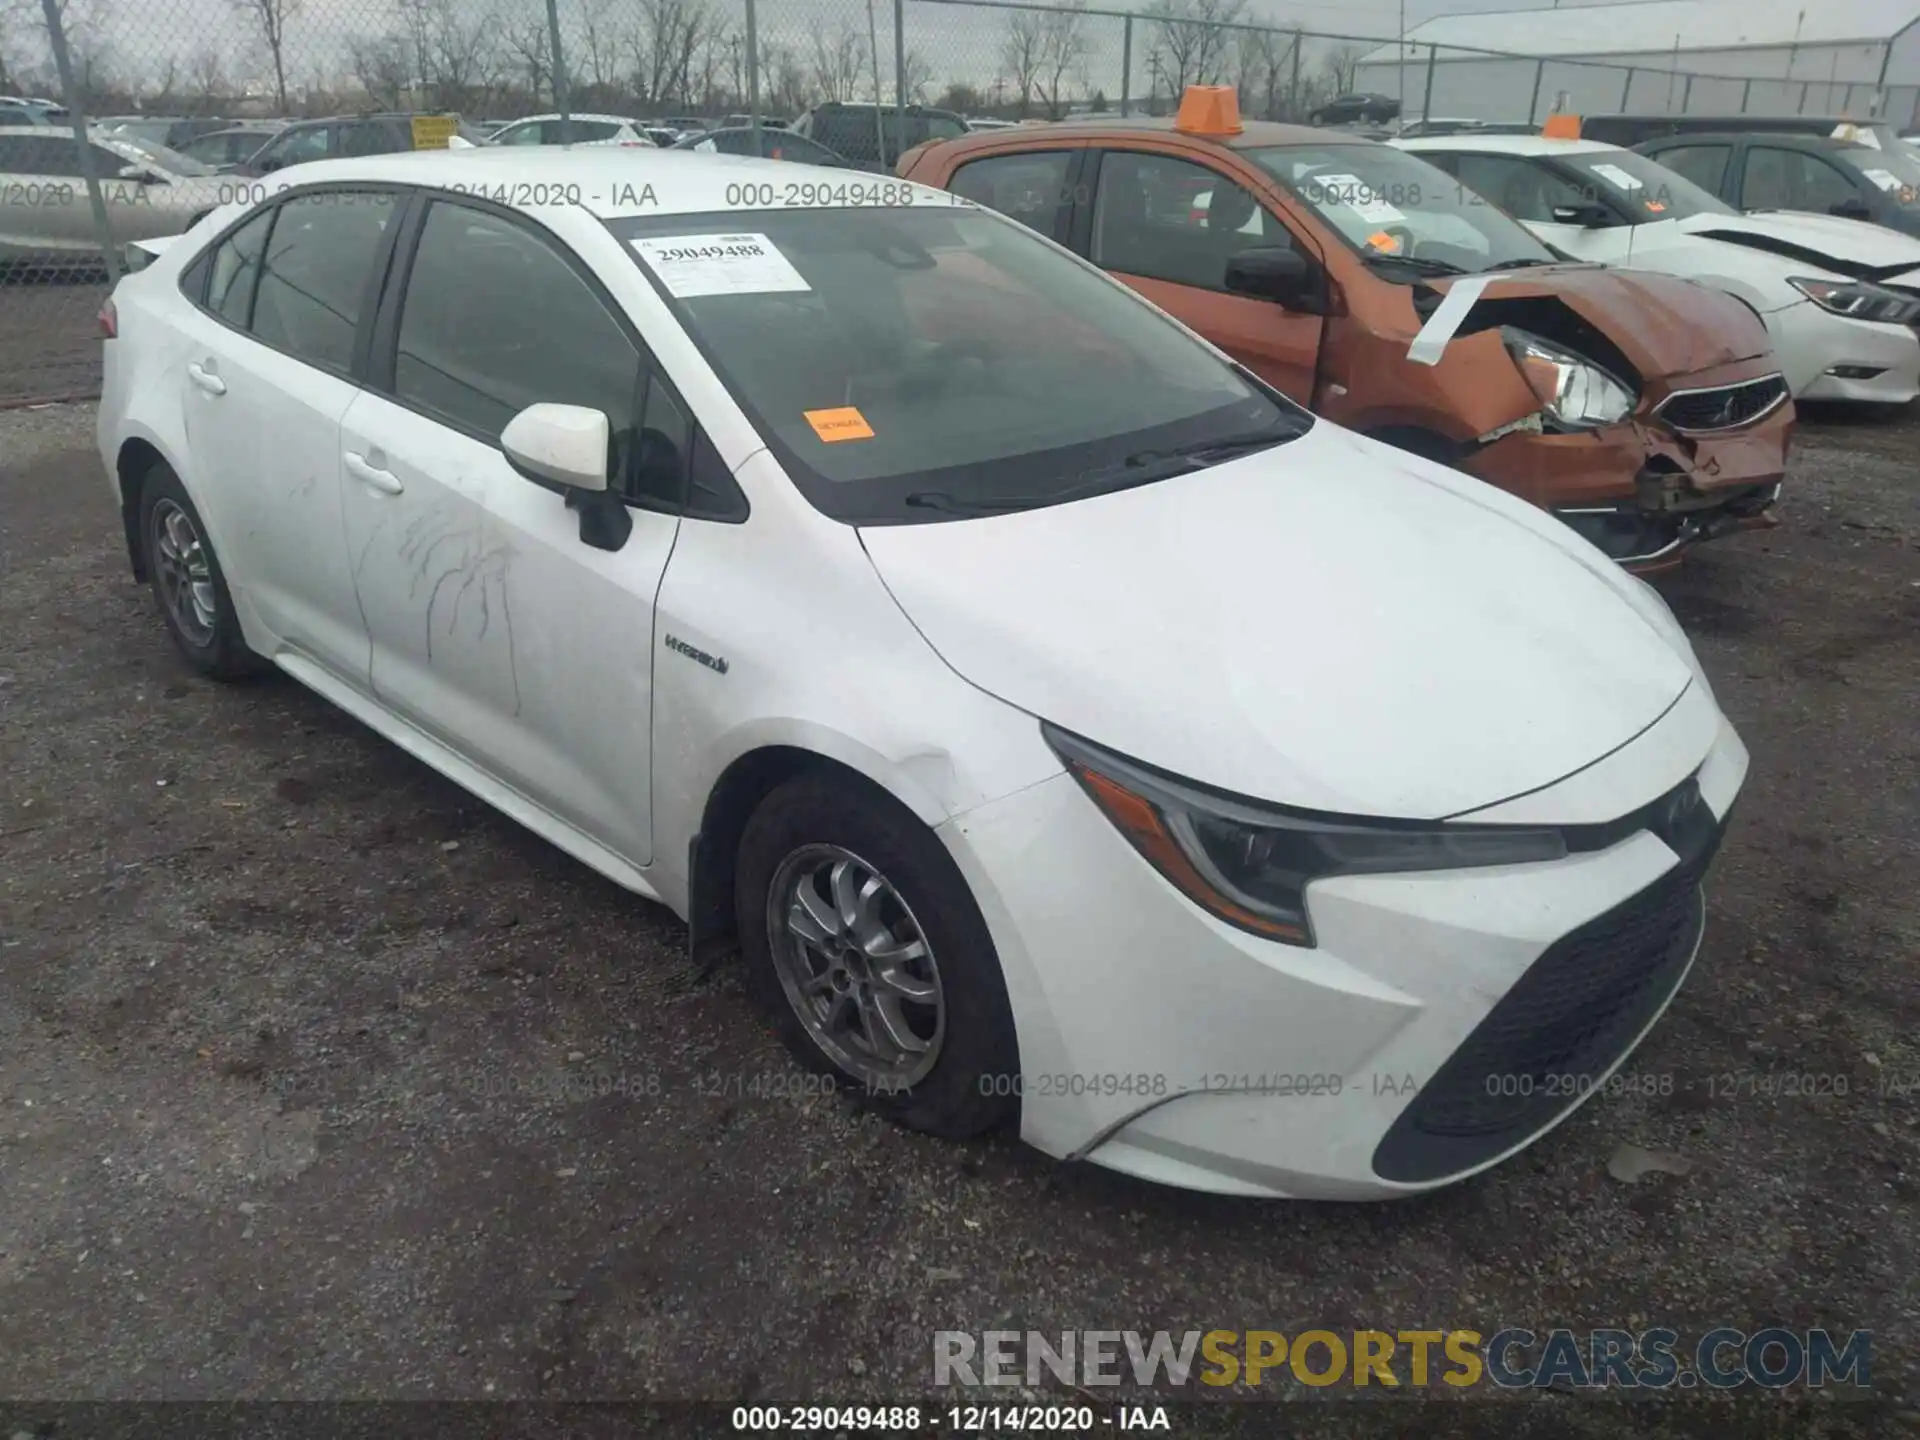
pixel 881 584
pixel 576 130
pixel 1841 298
pixel 46 215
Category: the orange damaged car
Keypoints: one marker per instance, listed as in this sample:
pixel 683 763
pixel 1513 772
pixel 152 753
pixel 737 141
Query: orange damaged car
pixel 1645 411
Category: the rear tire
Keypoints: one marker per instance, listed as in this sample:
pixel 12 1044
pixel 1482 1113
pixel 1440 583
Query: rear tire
pixel 187 580
pixel 865 947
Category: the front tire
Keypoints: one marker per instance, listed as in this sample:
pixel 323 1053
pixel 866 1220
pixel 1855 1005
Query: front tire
pixel 188 582
pixel 866 949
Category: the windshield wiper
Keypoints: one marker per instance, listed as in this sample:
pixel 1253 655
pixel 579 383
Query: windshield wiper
pixel 1218 446
pixel 1418 262
pixel 1140 468
pixel 1518 264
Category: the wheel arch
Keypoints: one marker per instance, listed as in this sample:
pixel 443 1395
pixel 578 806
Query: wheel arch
pixel 132 463
pixel 757 768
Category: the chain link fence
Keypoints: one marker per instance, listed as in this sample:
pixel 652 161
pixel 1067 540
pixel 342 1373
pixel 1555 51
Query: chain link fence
pixel 100 98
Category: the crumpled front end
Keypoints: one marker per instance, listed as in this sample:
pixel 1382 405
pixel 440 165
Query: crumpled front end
pixel 1643 491
pixel 1692 440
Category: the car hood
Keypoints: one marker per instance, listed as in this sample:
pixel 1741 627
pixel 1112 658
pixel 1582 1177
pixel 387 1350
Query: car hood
pixel 1848 247
pixel 1664 325
pixel 1330 624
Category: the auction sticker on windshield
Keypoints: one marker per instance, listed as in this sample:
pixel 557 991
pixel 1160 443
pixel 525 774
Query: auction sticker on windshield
pixel 691 266
pixel 845 423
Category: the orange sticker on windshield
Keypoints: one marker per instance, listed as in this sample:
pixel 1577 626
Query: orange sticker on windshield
pixel 833 426
pixel 1381 240
pixel 1656 206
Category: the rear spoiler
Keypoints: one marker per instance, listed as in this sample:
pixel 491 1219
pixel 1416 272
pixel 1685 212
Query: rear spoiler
pixel 138 254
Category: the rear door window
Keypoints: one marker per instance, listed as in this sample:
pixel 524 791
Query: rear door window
pixel 1775 178
pixel 52 154
pixel 236 270
pixel 313 281
pixel 299 146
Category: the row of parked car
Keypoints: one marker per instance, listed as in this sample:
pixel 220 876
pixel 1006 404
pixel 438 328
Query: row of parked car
pixel 1078 725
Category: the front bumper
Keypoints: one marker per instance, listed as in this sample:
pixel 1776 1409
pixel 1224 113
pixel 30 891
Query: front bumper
pixel 1642 493
pixel 1158 1041
pixel 1829 357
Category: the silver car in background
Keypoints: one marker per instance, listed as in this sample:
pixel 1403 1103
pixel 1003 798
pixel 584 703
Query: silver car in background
pixel 46 217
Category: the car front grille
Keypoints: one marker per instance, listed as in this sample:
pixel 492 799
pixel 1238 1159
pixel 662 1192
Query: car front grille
pixel 1726 407
pixel 1555 1034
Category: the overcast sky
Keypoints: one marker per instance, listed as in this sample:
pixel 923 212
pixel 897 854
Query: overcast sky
pixel 956 42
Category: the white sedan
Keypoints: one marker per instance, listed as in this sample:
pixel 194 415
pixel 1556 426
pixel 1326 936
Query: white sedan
pixel 1073 732
pixel 575 130
pixel 1841 298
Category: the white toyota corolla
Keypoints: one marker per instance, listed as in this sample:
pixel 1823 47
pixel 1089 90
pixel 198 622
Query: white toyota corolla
pixel 1073 731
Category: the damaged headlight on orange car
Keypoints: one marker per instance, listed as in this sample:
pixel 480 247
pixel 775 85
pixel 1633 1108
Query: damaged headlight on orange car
pixel 1575 393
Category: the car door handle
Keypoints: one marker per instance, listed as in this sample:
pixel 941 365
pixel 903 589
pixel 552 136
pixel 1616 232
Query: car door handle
pixel 372 476
pixel 206 379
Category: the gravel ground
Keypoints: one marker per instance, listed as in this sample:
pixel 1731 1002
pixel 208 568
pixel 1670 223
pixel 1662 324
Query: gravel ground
pixel 300 1050
pixel 49 343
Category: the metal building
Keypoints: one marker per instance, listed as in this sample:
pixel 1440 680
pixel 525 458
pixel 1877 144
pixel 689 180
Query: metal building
pixel 1859 58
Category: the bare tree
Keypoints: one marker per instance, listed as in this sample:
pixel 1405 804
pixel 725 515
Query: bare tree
pixel 663 48
pixel 382 67
pixel 1191 40
pixel 598 55
pixel 918 80
pixel 1023 53
pixel 783 80
pixel 271 16
pixel 207 78
pixel 453 54
pixel 529 47
pixel 1063 45
pixel 1265 56
pixel 166 83
pixel 839 60
pixel 1342 65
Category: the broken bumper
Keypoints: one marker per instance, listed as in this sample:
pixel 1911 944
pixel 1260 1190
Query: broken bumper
pixel 1641 493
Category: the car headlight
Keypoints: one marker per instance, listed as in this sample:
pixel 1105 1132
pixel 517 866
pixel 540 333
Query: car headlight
pixel 1574 392
pixel 1250 863
pixel 1858 300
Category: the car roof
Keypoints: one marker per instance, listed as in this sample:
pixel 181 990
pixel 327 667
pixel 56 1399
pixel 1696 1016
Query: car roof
pixel 579 115
pixel 1775 138
pixel 1507 144
pixel 1253 133
pixel 610 181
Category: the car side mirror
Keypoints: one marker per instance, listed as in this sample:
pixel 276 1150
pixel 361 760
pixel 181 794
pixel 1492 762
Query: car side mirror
pixel 139 174
pixel 1851 209
pixel 567 449
pixel 1271 272
pixel 1586 215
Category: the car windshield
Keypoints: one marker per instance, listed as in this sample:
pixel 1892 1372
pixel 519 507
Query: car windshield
pixel 1391 205
pixel 1895 169
pixel 1647 190
pixel 171 161
pixel 922 360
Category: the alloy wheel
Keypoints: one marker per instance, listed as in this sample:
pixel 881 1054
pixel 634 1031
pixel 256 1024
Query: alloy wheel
pixel 856 967
pixel 185 573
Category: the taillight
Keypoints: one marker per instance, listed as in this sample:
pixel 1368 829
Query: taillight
pixel 109 322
